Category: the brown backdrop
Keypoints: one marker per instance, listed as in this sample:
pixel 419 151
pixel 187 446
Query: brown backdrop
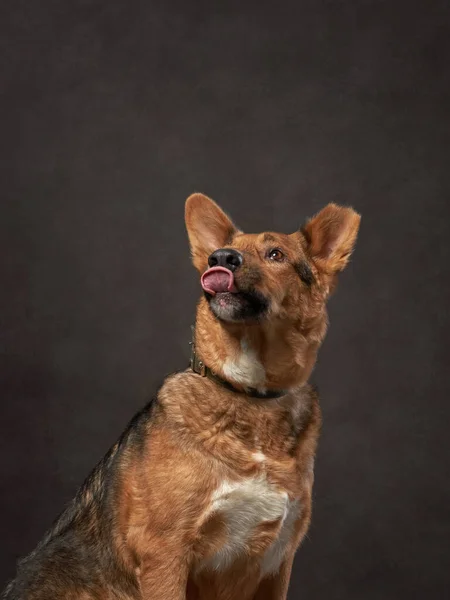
pixel 112 113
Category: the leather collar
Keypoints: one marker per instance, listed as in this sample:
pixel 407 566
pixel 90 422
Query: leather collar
pixel 199 367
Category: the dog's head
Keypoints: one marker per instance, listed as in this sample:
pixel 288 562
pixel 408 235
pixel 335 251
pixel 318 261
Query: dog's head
pixel 250 278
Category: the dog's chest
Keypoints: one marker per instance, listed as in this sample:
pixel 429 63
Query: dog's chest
pixel 257 521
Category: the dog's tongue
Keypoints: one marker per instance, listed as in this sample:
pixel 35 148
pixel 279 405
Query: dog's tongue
pixel 218 279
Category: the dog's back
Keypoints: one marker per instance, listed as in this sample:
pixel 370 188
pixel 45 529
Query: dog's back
pixel 78 555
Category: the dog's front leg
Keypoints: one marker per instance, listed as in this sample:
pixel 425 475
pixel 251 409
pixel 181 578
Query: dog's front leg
pixel 164 577
pixel 275 587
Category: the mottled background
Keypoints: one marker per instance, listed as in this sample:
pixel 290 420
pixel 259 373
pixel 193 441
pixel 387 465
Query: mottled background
pixel 112 113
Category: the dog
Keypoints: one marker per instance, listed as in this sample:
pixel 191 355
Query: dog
pixel 207 493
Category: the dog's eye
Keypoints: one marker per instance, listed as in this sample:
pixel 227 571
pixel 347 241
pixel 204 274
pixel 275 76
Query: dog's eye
pixel 276 254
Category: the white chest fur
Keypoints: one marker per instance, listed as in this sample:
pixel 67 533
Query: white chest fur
pixel 244 368
pixel 244 505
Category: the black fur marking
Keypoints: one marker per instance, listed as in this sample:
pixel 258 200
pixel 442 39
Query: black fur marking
pixel 255 306
pixel 304 272
pixel 250 305
pixel 78 552
pixel 305 234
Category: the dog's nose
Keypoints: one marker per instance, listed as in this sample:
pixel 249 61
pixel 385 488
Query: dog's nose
pixel 225 257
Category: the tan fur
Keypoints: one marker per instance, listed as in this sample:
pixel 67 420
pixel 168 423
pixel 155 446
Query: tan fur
pixel 204 434
pixel 199 437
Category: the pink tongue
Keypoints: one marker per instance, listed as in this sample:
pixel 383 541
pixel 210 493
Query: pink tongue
pixel 217 280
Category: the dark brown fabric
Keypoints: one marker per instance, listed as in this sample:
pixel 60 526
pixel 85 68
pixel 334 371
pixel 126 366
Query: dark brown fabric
pixel 112 113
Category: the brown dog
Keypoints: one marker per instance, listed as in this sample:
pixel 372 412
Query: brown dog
pixel 207 494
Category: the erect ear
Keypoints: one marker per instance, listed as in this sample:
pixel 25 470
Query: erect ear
pixel 208 228
pixel 331 236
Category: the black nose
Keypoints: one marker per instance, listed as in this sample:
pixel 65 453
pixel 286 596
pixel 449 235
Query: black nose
pixel 225 257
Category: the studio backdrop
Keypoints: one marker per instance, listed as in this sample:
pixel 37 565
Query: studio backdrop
pixel 112 114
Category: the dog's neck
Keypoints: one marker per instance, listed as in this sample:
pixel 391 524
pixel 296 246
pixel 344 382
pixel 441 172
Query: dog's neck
pixel 263 356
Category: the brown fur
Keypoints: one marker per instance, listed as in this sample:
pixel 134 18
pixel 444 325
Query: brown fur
pixel 149 501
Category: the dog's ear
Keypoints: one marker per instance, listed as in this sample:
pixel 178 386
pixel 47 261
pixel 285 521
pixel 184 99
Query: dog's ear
pixel 331 236
pixel 208 228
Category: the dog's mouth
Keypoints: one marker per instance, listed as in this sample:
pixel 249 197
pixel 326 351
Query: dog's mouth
pixel 227 300
pixel 218 280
